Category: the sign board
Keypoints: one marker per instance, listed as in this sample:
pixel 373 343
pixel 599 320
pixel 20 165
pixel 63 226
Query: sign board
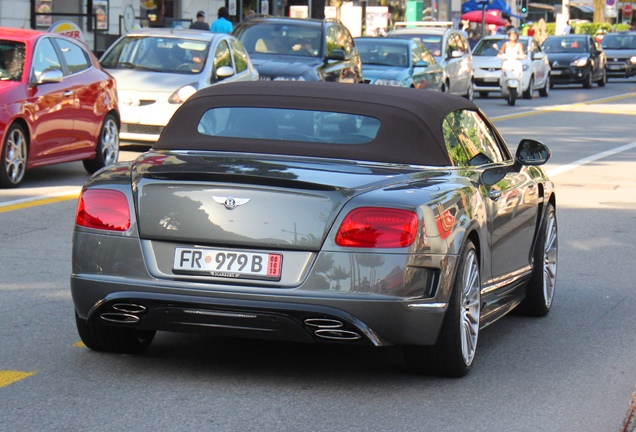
pixel 67 28
pixel 628 10
pixel 611 8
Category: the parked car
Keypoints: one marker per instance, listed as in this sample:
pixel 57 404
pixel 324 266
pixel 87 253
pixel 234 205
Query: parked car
pixel 246 220
pixel 56 105
pixel 620 50
pixel 157 69
pixel 576 59
pixel 536 67
pixel 399 62
pixel 450 49
pixel 294 49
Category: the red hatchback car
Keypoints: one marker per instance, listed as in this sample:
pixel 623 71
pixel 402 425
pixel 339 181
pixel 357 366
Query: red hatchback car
pixel 56 105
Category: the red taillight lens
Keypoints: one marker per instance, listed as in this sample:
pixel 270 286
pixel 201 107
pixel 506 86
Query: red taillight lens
pixel 374 227
pixel 103 209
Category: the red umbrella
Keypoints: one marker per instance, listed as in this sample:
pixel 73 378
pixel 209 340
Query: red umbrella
pixel 475 16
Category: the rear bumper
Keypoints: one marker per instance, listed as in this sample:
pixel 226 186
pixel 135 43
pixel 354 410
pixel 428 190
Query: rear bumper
pixel 371 320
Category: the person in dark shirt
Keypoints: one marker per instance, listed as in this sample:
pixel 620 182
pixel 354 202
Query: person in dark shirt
pixel 200 23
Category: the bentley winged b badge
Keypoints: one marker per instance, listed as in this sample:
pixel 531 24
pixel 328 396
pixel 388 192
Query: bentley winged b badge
pixel 231 203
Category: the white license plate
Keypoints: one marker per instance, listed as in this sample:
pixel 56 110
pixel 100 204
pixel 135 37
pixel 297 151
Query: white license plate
pixel 491 79
pixel 227 263
pixel 615 67
pixel 555 72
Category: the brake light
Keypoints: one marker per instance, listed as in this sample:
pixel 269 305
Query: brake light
pixel 375 227
pixel 103 209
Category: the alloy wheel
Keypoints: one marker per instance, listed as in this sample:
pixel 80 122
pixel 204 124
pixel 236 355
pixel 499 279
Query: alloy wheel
pixel 470 308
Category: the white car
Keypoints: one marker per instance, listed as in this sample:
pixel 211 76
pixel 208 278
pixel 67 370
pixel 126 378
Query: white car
pixel 536 67
pixel 158 69
pixel 450 48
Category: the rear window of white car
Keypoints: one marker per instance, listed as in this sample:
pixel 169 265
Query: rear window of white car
pixel 289 125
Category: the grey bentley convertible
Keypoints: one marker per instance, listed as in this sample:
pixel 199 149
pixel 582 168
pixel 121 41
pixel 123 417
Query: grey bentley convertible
pixel 318 212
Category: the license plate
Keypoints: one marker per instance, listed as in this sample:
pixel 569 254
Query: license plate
pixel 491 79
pixel 227 264
pixel 555 72
pixel 613 67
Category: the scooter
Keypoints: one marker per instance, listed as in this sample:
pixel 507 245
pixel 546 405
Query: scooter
pixel 511 78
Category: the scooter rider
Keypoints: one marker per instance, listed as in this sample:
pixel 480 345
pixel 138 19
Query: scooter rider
pixel 512 49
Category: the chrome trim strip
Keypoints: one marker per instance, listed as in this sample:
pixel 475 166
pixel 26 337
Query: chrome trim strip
pixel 425 306
pixel 220 314
pixel 507 280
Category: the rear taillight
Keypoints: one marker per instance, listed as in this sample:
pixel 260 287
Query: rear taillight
pixel 103 209
pixel 374 227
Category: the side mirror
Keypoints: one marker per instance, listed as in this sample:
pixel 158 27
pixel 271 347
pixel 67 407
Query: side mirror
pixel 532 152
pixel 456 54
pixel 421 64
pixel 50 76
pixel 336 55
pixel 224 72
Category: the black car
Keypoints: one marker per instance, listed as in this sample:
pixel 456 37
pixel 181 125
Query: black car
pixel 620 49
pixel 292 49
pixel 576 59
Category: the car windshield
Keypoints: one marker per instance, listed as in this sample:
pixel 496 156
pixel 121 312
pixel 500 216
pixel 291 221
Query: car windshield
pixel 288 125
pixel 374 53
pixel 618 42
pixel 282 39
pixel 432 42
pixel 11 60
pixel 488 47
pixel 159 54
pixel 565 45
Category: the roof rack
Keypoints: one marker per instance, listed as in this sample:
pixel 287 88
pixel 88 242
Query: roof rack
pixel 440 24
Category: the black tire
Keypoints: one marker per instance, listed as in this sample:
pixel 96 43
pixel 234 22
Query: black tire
pixel 527 94
pixel 14 155
pixel 589 80
pixel 454 353
pixel 603 80
pixel 512 96
pixel 106 338
pixel 540 289
pixel 107 149
pixel 545 91
pixel 470 93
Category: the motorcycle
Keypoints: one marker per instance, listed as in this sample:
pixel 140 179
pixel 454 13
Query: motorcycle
pixel 511 77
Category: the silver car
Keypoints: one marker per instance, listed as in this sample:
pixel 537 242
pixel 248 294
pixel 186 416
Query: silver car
pixel 260 213
pixel 158 69
pixel 450 48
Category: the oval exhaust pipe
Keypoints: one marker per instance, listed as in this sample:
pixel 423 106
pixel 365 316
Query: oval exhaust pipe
pixel 323 323
pixel 129 308
pixel 120 318
pixel 337 334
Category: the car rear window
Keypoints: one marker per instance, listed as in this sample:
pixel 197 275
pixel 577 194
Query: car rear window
pixel 282 39
pixel 288 125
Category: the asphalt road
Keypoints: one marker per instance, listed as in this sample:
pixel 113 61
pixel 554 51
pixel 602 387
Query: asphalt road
pixel 574 370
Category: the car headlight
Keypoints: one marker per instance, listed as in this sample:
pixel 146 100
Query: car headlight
pixel 182 94
pixel 579 62
pixel 389 82
pixel 288 78
pixel 526 66
pixel 632 59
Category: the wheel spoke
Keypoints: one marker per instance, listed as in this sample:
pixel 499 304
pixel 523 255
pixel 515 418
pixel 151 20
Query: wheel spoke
pixel 470 303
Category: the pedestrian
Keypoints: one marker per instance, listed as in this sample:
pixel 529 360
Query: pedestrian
pixel 200 23
pixel 248 15
pixel 530 29
pixel 223 23
pixel 568 28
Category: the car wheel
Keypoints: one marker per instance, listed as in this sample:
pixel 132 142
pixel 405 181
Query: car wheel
pixel 589 80
pixel 107 150
pixel 470 92
pixel 14 157
pixel 545 91
pixel 540 289
pixel 454 352
pixel 527 94
pixel 100 337
pixel 603 80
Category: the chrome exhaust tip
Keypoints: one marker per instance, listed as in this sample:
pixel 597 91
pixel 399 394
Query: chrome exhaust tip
pixel 129 308
pixel 120 318
pixel 324 323
pixel 337 334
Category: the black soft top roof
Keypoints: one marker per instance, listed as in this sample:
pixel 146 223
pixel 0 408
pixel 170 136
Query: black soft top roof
pixel 410 131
